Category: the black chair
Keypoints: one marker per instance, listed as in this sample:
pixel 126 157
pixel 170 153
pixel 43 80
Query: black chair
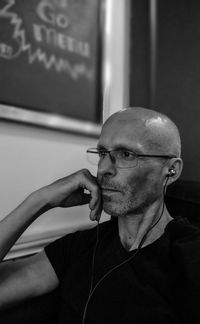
pixel 183 199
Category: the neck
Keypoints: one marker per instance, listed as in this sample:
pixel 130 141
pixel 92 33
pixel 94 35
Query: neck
pixel 133 228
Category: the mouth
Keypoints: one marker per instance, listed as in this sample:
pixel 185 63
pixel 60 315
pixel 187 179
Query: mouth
pixel 104 189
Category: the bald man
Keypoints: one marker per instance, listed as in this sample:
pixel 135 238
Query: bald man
pixel 136 268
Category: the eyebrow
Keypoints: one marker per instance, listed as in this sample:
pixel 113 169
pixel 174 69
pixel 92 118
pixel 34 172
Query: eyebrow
pixel 119 147
pixel 101 147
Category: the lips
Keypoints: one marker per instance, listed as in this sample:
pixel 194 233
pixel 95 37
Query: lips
pixel 106 185
pixel 109 189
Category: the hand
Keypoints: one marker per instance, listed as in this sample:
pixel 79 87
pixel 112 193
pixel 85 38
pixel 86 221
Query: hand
pixel 69 191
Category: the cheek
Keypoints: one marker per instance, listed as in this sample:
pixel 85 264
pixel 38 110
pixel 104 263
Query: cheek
pixel 145 181
pixel 138 179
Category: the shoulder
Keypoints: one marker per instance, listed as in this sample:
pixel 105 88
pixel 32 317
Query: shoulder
pixel 81 240
pixel 184 240
pixel 181 228
pixel 75 246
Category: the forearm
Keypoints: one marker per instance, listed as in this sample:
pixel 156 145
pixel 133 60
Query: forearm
pixel 12 226
pixel 65 192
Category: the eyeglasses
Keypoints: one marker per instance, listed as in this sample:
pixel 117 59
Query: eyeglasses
pixel 122 159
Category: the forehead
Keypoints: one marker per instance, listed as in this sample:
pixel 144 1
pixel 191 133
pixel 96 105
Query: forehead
pixel 124 133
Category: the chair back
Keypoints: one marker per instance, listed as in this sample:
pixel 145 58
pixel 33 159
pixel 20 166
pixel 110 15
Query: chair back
pixel 183 199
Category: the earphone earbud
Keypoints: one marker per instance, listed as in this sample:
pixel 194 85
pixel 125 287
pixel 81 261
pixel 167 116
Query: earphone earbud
pixel 171 173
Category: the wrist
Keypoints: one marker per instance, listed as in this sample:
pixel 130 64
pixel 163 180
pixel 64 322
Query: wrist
pixel 39 202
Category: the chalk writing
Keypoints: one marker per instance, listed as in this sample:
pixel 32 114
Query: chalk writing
pixel 64 42
pixel 5 50
pixel 46 36
pixel 46 11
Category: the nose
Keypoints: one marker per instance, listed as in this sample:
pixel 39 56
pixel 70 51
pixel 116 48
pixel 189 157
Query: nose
pixel 106 166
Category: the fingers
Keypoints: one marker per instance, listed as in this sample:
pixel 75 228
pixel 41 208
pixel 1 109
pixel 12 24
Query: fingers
pixel 70 191
pixel 96 210
pixel 95 214
pixel 90 183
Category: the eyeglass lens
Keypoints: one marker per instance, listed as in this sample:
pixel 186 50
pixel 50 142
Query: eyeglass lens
pixel 117 157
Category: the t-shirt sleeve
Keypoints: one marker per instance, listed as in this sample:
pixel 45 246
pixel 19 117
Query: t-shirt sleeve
pixel 58 253
pixel 63 252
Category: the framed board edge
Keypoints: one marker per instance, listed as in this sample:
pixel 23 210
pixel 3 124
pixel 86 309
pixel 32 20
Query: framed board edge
pixel 50 121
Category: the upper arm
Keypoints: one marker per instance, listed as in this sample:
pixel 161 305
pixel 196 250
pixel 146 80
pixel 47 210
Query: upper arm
pixel 26 278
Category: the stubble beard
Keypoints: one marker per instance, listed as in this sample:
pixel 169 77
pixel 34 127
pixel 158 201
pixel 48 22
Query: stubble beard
pixel 127 200
pixel 127 203
pixel 121 205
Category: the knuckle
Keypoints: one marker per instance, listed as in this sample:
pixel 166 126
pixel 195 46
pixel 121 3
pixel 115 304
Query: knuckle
pixel 82 176
pixel 84 171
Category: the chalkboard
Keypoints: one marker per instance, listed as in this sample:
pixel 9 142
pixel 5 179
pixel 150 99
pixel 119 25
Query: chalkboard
pixel 49 56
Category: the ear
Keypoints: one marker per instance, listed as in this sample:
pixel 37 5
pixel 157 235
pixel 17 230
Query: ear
pixel 174 170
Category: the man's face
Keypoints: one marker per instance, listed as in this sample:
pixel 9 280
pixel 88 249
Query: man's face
pixel 131 190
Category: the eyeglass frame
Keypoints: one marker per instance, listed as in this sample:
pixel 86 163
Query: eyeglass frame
pixel 98 150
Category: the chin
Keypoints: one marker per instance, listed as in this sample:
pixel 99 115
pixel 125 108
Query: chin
pixel 114 209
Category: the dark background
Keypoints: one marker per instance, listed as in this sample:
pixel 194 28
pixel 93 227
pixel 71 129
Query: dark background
pixel 177 72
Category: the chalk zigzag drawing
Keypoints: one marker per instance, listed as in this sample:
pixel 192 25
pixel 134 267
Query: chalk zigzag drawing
pixel 60 65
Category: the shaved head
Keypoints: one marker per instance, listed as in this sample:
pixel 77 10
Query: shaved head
pixel 158 132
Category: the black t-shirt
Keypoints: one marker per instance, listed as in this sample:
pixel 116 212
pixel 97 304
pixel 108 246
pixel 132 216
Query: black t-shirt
pixel 160 284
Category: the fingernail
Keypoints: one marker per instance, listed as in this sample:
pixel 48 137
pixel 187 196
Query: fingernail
pixel 92 215
pixel 93 206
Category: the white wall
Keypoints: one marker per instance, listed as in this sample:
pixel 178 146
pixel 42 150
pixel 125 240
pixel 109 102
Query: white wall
pixel 32 157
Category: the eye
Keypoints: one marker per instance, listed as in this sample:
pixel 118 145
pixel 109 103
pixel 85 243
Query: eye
pixel 126 155
pixel 102 153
